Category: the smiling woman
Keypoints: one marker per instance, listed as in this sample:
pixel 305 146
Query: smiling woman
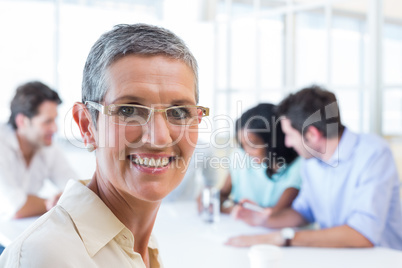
pixel 139 113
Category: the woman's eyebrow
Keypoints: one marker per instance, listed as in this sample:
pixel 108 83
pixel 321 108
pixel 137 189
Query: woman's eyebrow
pixel 128 99
pixel 183 102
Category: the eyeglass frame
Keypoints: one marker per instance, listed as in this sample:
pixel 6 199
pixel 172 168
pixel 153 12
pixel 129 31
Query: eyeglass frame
pixel 105 109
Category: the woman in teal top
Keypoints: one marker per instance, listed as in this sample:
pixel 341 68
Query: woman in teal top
pixel 264 171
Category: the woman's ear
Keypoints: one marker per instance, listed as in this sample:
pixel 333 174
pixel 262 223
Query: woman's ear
pixel 83 119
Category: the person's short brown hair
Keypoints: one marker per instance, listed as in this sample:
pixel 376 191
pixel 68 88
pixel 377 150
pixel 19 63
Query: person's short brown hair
pixel 28 98
pixel 300 106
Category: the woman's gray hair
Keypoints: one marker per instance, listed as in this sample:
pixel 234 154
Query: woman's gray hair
pixel 123 40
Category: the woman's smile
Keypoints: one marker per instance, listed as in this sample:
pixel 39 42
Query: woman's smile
pixel 151 163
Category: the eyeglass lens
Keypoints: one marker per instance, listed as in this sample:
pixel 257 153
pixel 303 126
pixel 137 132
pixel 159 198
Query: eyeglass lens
pixel 136 115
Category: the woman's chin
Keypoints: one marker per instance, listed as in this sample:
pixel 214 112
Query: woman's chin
pixel 154 194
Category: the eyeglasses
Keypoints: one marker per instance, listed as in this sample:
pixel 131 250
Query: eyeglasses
pixel 138 115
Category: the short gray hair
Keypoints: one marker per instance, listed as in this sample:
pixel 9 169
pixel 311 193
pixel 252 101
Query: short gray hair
pixel 123 40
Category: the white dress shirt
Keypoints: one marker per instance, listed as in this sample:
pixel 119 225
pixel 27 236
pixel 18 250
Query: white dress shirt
pixel 81 231
pixel 17 180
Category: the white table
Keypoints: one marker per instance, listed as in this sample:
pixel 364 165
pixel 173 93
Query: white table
pixel 186 241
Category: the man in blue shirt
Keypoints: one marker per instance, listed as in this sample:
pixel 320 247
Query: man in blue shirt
pixel 350 181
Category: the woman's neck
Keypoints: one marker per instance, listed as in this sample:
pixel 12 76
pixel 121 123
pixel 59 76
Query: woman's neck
pixel 137 215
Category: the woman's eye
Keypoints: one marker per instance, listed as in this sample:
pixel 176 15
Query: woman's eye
pixel 179 113
pixel 127 110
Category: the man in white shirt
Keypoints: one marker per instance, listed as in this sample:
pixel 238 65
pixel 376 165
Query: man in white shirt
pixel 27 155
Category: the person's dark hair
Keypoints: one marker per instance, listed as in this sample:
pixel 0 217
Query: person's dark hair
pixel 28 98
pixel 313 106
pixel 263 122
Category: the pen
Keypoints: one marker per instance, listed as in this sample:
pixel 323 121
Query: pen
pixel 252 207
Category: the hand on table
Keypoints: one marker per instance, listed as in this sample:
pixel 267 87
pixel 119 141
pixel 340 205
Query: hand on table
pixel 249 240
pixel 251 217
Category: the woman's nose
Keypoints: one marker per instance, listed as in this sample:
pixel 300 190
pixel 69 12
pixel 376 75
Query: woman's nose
pixel 157 131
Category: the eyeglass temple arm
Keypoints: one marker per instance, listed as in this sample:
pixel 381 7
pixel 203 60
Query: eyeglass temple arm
pixel 97 106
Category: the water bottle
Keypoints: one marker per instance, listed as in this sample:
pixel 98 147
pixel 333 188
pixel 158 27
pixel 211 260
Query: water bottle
pixel 210 194
pixel 210 204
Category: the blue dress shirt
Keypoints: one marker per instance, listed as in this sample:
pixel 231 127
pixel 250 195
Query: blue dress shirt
pixel 358 186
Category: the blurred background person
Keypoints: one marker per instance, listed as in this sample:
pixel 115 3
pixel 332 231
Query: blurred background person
pixel 28 156
pixel 264 171
pixel 350 181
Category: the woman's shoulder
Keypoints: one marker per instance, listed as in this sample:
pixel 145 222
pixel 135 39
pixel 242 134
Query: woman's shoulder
pixel 46 243
pixel 296 164
pixel 291 172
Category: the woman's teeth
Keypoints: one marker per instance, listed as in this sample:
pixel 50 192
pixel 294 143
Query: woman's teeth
pixel 150 162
